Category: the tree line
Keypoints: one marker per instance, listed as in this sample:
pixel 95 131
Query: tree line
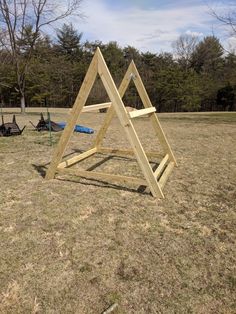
pixel 197 76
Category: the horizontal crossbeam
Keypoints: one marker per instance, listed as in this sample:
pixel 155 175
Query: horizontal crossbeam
pixel 161 166
pixel 126 152
pixel 77 158
pixel 96 107
pixel 102 176
pixel 141 112
pixel 166 174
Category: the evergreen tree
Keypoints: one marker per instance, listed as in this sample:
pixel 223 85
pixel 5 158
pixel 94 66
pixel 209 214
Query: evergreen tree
pixel 69 40
pixel 207 56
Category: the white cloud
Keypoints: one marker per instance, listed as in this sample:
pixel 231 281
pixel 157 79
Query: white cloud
pixel 231 44
pixel 145 29
pixel 194 34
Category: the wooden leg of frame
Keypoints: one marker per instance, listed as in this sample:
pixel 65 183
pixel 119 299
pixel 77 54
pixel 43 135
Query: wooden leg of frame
pixel 74 114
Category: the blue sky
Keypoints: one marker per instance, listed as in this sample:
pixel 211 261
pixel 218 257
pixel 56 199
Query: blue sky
pixel 151 25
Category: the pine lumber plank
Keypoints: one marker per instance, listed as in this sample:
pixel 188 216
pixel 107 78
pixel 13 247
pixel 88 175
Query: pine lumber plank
pixel 166 174
pixel 102 176
pixel 102 131
pixel 73 116
pixel 154 119
pixel 115 106
pixel 141 112
pixel 75 159
pixel 96 107
pixel 128 126
pixel 126 152
pixel 111 111
pixel 160 168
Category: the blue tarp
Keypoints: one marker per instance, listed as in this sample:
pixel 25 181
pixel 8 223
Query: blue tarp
pixel 78 128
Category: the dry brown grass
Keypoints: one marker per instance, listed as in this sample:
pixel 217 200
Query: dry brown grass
pixel 78 246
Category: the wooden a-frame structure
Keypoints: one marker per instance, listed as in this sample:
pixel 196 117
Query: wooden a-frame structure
pixel 155 180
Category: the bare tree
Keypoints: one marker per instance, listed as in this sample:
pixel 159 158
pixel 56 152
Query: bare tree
pixel 184 47
pixel 228 18
pixel 21 22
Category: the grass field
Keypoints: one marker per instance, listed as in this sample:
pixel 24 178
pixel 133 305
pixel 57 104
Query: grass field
pixel 72 245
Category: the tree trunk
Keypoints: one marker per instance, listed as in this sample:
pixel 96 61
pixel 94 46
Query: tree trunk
pixel 22 103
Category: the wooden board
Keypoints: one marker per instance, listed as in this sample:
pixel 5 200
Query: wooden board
pixel 115 106
pixel 126 152
pixel 111 111
pixel 96 107
pixel 73 117
pixel 141 112
pixel 102 176
pixel 166 174
pixel 154 119
pixel 128 127
pixel 161 166
pixel 77 158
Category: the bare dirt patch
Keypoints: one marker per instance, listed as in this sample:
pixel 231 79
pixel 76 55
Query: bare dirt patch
pixel 78 246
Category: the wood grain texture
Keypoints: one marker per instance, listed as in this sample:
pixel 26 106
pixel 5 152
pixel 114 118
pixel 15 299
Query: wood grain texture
pixel 75 159
pixel 116 106
pixel 73 117
pixel 142 112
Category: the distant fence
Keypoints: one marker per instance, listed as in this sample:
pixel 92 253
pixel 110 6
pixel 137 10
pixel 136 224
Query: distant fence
pixel 67 110
pixel 35 109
